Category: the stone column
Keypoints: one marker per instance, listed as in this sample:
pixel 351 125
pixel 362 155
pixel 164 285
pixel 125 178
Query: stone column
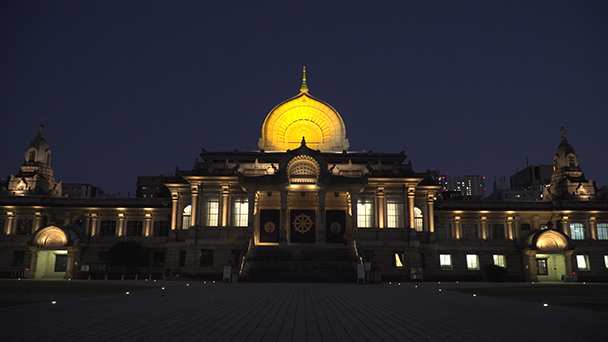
pixel 456 227
pixel 225 205
pixel 568 261
pixel 322 227
pixel 430 221
pixel 10 223
pixel 87 225
pixel 380 207
pixel 483 228
pixel 148 225
pixel 194 189
pixel 33 261
pixel 37 222
pixel 284 217
pixel 411 195
pixel 94 224
pixel 510 227
pixel 121 224
pixel 529 258
pixel 174 207
pixel 251 210
pixel 591 231
pixel 565 228
pixel 354 199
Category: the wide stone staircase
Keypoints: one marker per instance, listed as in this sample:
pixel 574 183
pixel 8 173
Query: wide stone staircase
pixel 331 264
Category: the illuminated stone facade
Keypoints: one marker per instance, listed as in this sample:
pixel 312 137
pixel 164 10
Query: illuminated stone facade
pixel 304 208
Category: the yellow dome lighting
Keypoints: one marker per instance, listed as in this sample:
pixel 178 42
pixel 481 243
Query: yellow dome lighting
pixel 303 116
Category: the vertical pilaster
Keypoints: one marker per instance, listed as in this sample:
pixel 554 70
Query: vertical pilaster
pixel 37 222
pixel 411 195
pixel 380 207
pixel 10 223
pixel 510 225
pixel 456 227
pixel 87 225
pixel 284 217
pixel 353 199
pixel 174 206
pixel 121 224
pixel 251 210
pixel 194 191
pixel 148 225
pixel 591 231
pixel 564 224
pixel 430 219
pixel 225 205
pixel 94 224
pixel 483 228
pixel 321 217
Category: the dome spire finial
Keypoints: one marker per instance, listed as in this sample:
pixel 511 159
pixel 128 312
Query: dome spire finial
pixel 304 87
pixel 563 132
pixel 41 128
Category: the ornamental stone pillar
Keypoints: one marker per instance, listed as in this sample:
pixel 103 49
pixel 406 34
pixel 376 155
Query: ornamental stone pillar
pixel 10 223
pixel 564 226
pixel 174 204
pixel 380 207
pixel 194 191
pixel 225 205
pixel 251 210
pixel 429 214
pixel 411 195
pixel 94 224
pixel 148 225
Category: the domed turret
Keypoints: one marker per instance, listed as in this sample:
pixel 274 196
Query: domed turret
pixel 36 175
pixel 303 116
pixel 568 180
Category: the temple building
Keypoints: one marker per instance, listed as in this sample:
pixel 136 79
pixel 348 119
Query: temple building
pixel 305 208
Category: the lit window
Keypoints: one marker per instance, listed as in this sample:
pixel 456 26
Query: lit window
pixel 602 231
pixel 186 217
pixel 499 260
pixel 398 260
pixel 577 231
pixel 394 213
pixel 445 260
pixel 472 261
pixel 365 212
pixel 240 211
pixel 418 219
pixel 582 261
pixel 212 211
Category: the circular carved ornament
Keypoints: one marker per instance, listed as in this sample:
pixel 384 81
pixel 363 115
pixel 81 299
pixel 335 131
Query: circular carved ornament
pixel 269 227
pixel 335 227
pixel 302 223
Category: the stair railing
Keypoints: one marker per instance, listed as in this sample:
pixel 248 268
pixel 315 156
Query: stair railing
pixel 245 257
pixel 357 252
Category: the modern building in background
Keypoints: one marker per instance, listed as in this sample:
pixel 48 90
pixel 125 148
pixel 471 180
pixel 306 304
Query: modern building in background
pixel 81 190
pixel 305 208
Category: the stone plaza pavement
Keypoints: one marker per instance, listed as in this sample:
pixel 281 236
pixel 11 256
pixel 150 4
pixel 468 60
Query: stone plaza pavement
pixel 206 311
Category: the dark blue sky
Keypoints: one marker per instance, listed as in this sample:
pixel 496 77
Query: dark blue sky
pixel 138 88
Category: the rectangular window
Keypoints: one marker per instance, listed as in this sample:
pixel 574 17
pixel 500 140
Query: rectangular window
pixel 445 261
pixel 472 261
pixel 582 261
pixel 469 231
pixel 577 232
pixel 395 212
pixel 212 211
pixel 602 231
pixel 240 211
pixel 497 230
pixel 107 228
pixel 18 258
pixel 161 228
pixel 499 260
pixel 365 212
pixel 24 226
pixel 206 258
pixel 135 228
pixel 443 230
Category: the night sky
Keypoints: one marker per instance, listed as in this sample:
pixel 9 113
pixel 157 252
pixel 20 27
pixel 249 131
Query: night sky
pixel 138 88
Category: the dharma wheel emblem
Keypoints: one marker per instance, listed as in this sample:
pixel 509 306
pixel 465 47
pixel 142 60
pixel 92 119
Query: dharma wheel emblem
pixel 335 227
pixel 302 223
pixel 269 227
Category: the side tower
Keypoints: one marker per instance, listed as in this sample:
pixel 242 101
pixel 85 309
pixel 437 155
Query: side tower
pixel 35 176
pixel 568 180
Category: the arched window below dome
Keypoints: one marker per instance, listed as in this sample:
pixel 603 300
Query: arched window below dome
pixel 418 223
pixel 31 155
pixel 571 160
pixel 186 217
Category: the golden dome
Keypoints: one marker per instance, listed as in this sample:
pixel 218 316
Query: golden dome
pixel 303 116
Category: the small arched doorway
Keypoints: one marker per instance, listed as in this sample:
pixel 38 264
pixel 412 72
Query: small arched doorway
pixel 548 256
pixel 53 253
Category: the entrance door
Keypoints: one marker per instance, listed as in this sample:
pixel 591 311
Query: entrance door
pixel 541 267
pixel 61 261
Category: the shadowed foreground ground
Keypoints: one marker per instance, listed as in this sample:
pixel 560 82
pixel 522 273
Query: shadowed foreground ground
pixel 200 311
